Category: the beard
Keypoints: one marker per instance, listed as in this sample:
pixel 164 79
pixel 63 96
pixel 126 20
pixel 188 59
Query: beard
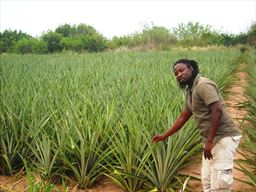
pixel 188 82
pixel 182 85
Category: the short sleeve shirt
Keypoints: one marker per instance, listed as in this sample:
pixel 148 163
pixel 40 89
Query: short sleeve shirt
pixel 203 93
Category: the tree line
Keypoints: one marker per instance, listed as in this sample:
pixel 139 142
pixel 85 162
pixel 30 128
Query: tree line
pixel 85 38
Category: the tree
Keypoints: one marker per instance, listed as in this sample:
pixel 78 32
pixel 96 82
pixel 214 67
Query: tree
pixel 192 34
pixel 53 41
pixel 252 35
pixel 66 30
pixel 72 43
pixel 152 37
pixel 241 38
pixel 157 36
pixel 121 41
pixel 8 38
pixel 83 29
pixel 93 43
pixel 227 39
pixel 81 38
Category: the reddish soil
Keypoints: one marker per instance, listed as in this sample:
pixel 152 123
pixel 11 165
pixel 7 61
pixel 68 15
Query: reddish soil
pixel 19 182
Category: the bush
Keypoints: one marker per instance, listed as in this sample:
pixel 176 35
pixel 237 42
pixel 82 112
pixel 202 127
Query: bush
pixel 244 49
pixel 93 43
pixel 72 44
pixel 30 46
pixel 53 41
pixel 8 39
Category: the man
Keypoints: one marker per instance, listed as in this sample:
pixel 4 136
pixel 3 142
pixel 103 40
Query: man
pixel 219 133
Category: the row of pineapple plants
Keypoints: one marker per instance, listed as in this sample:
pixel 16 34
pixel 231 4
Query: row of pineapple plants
pixel 83 116
pixel 248 164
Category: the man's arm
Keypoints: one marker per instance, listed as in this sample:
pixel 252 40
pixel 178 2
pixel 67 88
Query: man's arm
pixel 182 119
pixel 216 112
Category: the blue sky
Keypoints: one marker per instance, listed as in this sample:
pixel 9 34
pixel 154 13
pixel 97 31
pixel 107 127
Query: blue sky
pixel 119 17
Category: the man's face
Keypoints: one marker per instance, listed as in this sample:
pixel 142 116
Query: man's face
pixel 183 74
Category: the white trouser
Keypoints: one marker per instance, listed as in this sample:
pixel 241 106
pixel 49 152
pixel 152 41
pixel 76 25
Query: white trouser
pixel 217 173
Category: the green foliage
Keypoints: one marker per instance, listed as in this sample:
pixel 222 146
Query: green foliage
pixel 85 38
pixel 248 164
pixel 13 134
pixel 84 43
pixel 122 41
pixel 192 34
pixel 241 38
pixel 252 35
pixel 80 116
pixel 53 41
pixel 244 49
pixel 166 160
pixel 66 30
pixel 72 43
pixel 34 185
pixel 152 37
pixel 76 38
pixel 244 57
pixel 30 45
pixel 81 38
pixel 43 155
pixel 93 43
pixel 83 29
pixel 8 38
pixel 227 39
pixel 156 37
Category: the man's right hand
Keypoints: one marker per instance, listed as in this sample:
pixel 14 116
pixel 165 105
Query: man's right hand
pixel 158 137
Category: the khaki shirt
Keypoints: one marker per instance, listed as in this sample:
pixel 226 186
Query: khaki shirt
pixel 203 93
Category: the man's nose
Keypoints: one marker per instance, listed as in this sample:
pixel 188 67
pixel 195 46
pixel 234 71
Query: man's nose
pixel 178 75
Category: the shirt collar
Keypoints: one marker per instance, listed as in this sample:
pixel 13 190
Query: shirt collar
pixel 195 82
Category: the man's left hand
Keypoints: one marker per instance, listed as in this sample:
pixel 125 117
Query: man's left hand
pixel 208 150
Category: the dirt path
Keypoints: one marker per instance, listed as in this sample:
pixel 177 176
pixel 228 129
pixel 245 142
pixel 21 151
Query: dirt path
pixel 236 97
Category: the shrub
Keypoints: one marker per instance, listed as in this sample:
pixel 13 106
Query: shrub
pixel 30 46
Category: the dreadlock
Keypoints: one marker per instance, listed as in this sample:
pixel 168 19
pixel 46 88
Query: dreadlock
pixel 189 63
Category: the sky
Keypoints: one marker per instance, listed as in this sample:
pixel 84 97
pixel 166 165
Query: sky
pixel 124 17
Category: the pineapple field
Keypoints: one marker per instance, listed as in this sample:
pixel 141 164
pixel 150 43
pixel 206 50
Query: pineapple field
pixel 78 118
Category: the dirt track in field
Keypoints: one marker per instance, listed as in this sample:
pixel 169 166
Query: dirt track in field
pixel 238 96
pixel 17 183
